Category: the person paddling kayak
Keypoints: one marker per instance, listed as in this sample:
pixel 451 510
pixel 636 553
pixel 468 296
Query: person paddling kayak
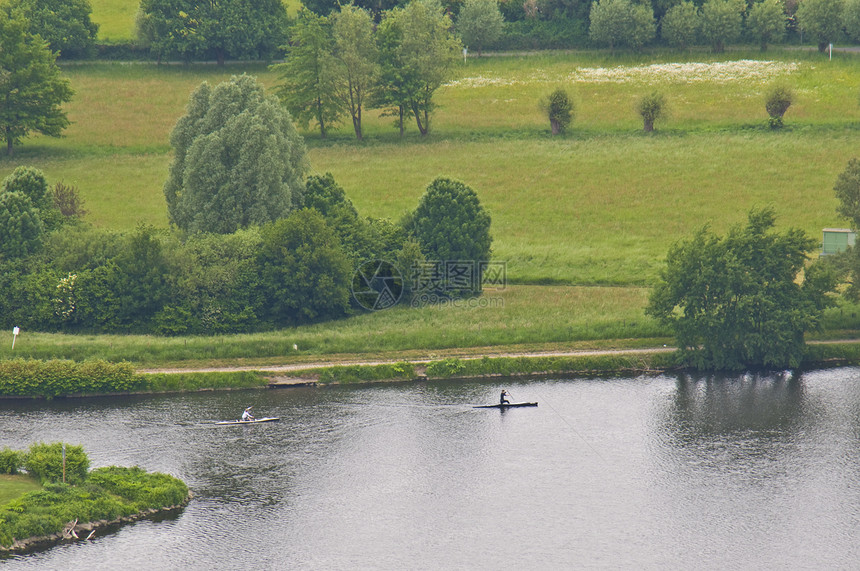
pixel 502 399
pixel 246 416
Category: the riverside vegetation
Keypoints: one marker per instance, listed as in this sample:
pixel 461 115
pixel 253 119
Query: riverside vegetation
pixel 561 213
pixel 69 492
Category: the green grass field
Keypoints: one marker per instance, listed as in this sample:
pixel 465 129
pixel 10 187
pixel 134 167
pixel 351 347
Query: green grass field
pixel 12 487
pixel 599 206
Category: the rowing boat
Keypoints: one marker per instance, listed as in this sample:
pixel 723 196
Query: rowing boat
pixel 509 405
pixel 255 421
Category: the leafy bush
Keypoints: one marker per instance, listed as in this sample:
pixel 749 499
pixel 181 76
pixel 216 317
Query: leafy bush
pixel 10 461
pixel 559 109
pixel 651 108
pixel 45 463
pixel 32 377
pixel 449 367
pixel 366 373
pixel 103 494
pixel 143 490
pixel 779 99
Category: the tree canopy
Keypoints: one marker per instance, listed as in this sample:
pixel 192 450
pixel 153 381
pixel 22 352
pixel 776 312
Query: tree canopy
pixel 238 160
pixel 308 75
pixel 64 24
pixel 721 22
pixel 821 20
pixel 241 29
pixel 480 23
pixel 417 52
pixel 356 61
pixel 621 22
pixel 736 301
pixel 32 91
pixel 452 226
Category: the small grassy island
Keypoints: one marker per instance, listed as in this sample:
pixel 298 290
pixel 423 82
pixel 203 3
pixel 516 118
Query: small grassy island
pixel 55 500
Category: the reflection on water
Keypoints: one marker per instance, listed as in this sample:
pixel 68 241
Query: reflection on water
pixel 700 472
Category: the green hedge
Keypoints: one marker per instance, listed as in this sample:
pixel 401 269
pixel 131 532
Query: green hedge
pixel 367 373
pixel 168 382
pixel 57 377
pixel 454 367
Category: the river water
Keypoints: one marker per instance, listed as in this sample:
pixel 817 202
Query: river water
pixel 677 472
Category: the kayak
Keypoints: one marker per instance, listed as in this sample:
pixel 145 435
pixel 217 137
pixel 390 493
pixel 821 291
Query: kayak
pixel 511 405
pixel 255 421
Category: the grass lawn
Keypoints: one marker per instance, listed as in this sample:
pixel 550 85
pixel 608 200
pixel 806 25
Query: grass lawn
pixel 12 487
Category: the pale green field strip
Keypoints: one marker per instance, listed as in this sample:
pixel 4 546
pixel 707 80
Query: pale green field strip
pixel 599 206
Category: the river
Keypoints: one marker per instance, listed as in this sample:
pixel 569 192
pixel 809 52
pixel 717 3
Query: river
pixel 659 472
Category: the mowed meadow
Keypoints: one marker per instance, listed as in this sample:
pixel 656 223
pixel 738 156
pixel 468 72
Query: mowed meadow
pixel 599 206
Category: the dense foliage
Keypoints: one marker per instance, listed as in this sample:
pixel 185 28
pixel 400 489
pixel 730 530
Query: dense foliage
pixel 651 107
pixel 237 29
pixel 45 462
pixel 779 99
pixel 736 301
pixel 453 228
pixel 558 107
pixel 480 24
pixel 32 377
pixel 65 24
pixel 238 160
pixel 31 89
pixel 308 74
pixel 104 494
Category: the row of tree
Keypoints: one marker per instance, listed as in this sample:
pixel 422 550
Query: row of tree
pixel 721 22
pixel 341 64
pixel 293 270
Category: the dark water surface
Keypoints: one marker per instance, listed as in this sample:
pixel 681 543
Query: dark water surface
pixel 750 472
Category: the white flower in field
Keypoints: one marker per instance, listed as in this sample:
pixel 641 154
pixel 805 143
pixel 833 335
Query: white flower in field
pixel 691 72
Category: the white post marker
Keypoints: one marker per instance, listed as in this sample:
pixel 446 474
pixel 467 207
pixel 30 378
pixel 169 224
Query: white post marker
pixel 831 52
pixel 15 332
pixel 465 52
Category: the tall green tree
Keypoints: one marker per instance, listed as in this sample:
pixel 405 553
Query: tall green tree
pixel 621 23
pixel 417 53
pixel 21 229
pixel 252 29
pixel 238 160
pixel 851 19
pixel 820 20
pixel 30 182
pixel 680 26
pixel 32 91
pixel 721 22
pixel 736 301
pixel 766 22
pixel 847 189
pixel 304 273
pixel 307 76
pixel 451 225
pixel 356 61
pixel 65 24
pixel 480 24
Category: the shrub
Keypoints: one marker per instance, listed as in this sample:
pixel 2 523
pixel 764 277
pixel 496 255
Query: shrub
pixel 779 99
pixel 651 107
pixel 57 377
pixel 45 463
pixel 559 109
pixel 10 461
pixel 68 201
pixel 449 367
